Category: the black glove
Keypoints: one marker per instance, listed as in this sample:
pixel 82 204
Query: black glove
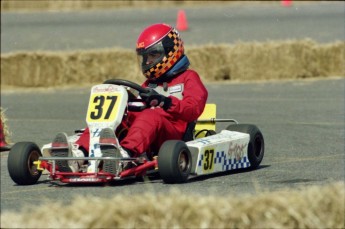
pixel 154 99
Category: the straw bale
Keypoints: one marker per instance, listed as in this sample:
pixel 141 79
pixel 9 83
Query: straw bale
pixel 310 207
pixel 292 59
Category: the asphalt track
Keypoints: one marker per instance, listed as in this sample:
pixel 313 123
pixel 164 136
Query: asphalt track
pixel 221 23
pixel 302 121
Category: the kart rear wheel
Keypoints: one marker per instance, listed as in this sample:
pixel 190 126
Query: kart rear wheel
pixel 174 162
pixel 20 163
pixel 256 145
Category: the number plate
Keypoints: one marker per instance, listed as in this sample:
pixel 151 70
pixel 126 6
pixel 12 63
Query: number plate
pixel 102 107
pixel 106 106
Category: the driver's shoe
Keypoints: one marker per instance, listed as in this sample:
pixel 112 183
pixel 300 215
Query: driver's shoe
pixel 62 148
pixel 108 144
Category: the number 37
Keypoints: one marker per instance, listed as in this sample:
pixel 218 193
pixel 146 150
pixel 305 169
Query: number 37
pixel 102 103
pixel 208 159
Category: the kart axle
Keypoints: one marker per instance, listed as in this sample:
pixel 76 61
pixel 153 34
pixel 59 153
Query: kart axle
pixel 214 120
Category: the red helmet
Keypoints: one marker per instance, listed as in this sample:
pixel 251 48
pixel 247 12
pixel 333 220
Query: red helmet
pixel 159 48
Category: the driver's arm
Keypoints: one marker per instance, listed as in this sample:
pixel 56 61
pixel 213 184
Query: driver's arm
pixel 194 99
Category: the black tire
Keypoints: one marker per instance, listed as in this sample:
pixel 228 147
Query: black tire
pixel 174 162
pixel 256 145
pixel 20 163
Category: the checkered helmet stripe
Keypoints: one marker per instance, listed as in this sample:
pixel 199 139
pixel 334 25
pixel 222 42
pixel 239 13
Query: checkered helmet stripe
pixel 170 59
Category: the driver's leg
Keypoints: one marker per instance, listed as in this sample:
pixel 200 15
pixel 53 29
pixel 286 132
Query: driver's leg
pixel 149 130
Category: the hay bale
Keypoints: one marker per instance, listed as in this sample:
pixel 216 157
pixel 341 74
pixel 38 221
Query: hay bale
pixel 63 5
pixel 269 60
pixel 46 69
pixel 5 132
pixel 224 62
pixel 312 207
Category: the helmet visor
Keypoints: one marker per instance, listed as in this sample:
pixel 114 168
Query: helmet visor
pixel 150 57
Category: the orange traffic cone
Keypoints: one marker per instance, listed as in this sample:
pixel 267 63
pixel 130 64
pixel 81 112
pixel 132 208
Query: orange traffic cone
pixel 181 22
pixel 286 3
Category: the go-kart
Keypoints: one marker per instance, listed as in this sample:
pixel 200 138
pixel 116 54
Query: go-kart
pixel 201 151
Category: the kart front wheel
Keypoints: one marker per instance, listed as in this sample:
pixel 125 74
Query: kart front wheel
pixel 256 145
pixel 174 162
pixel 21 165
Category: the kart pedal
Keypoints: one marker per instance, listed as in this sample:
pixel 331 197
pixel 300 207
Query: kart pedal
pixel 61 148
pixel 107 136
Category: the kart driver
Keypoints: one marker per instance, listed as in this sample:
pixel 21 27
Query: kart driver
pixel 177 98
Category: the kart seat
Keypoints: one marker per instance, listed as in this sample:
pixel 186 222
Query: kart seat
pixel 189 134
pixel 202 129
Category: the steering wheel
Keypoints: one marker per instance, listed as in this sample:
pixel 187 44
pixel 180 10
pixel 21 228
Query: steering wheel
pixel 131 96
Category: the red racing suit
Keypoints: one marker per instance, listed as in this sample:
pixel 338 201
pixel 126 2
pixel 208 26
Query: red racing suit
pixel 150 128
